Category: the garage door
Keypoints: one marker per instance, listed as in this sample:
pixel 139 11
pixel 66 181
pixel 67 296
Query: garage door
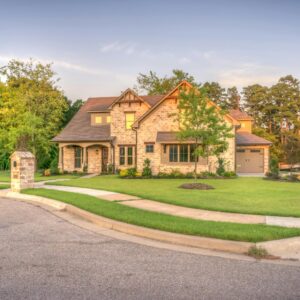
pixel 250 161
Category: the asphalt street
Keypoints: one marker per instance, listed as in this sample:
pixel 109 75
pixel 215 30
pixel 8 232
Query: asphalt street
pixel 45 257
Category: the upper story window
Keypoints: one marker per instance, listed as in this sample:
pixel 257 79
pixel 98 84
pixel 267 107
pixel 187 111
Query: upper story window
pixel 100 119
pixel 129 119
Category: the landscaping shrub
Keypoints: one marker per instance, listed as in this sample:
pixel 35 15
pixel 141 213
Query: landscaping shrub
pixel 221 166
pixel 123 173
pixel 47 172
pixel 131 172
pixel 229 174
pixel 147 172
pixel 54 166
pixel 110 168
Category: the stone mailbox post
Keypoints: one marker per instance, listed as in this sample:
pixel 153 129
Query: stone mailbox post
pixel 22 170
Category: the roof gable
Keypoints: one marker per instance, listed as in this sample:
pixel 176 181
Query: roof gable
pixel 129 96
pixel 174 94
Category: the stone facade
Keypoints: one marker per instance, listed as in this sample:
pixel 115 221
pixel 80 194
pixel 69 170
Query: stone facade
pixel 91 157
pixel 150 119
pixel 164 119
pixel 22 170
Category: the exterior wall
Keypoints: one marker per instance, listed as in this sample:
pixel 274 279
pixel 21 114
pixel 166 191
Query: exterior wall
pixel 266 154
pixel 122 135
pixel 94 159
pixel 22 170
pixel 91 156
pixel 246 126
pixel 162 120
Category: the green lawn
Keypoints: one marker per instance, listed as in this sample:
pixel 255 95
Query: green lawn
pixel 242 195
pixel 4 186
pixel 221 230
pixel 5 176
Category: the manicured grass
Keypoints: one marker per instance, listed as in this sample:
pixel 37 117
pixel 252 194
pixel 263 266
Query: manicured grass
pixel 4 186
pixel 5 176
pixel 242 195
pixel 221 230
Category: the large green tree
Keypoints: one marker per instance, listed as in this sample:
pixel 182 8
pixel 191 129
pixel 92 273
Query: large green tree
pixel 216 93
pixel 32 108
pixel 152 84
pixel 203 124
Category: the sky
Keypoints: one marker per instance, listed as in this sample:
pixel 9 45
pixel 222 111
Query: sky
pixel 98 48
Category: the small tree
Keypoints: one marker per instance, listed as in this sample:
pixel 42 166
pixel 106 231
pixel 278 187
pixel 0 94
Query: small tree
pixel 292 150
pixel 203 124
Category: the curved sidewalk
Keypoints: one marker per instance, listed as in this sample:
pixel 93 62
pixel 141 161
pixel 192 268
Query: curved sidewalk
pixel 181 211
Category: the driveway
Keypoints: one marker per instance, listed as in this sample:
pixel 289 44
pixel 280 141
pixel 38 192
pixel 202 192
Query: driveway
pixel 45 257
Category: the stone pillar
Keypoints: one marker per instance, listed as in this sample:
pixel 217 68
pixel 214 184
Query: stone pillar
pixel 22 170
pixel 60 159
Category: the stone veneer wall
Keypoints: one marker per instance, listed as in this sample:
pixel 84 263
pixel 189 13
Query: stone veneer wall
pixel 161 120
pixel 118 129
pixel 94 156
pixel 22 170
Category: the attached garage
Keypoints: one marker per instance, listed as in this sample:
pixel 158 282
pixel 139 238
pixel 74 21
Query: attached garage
pixel 250 160
pixel 252 154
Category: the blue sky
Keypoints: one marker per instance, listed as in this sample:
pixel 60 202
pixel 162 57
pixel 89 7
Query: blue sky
pixel 99 47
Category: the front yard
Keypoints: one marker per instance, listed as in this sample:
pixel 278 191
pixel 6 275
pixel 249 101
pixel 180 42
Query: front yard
pixel 221 230
pixel 242 195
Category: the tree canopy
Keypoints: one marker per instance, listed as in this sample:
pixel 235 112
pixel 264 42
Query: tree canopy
pixel 32 110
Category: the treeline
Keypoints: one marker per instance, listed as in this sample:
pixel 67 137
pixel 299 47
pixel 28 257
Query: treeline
pixel 275 109
pixel 33 109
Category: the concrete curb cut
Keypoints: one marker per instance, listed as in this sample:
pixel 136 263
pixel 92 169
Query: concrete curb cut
pixel 153 234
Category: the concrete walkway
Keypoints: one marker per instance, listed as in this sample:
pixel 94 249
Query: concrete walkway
pixel 175 210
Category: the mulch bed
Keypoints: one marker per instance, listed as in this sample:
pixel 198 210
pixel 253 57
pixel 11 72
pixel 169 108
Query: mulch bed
pixel 196 186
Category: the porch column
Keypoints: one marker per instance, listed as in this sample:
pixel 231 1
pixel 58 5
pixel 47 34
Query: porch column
pixel 61 159
pixel 84 159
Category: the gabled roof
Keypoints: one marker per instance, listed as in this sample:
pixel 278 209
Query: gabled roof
pixel 181 84
pixel 240 115
pixel 247 139
pixel 133 94
pixel 80 128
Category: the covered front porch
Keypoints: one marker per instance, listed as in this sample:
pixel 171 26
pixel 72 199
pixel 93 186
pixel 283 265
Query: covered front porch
pixel 85 157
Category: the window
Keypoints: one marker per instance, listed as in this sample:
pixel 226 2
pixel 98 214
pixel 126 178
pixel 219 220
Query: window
pixel 129 156
pixel 129 120
pixel 122 156
pixel 255 151
pixel 240 150
pixel 77 156
pixel 98 119
pixel 192 155
pixel 149 148
pixel 126 155
pixel 108 119
pixel 184 153
pixel 173 154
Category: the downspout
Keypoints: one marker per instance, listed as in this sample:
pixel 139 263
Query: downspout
pixel 136 141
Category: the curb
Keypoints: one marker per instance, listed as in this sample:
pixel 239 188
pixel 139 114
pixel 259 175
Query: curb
pixel 153 234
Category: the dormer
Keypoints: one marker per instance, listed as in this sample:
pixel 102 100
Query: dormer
pixel 244 120
pixel 100 118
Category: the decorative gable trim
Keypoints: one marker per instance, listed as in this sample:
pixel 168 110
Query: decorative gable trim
pixel 129 96
pixel 174 95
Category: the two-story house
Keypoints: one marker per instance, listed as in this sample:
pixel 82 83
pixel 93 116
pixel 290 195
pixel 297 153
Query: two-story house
pixel 121 132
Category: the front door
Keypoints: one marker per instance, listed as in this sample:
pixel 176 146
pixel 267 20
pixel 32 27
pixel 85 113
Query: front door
pixel 250 160
pixel 104 159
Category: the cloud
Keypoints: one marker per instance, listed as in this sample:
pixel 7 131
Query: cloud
pixel 127 47
pixel 58 63
pixel 184 60
pixel 248 73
